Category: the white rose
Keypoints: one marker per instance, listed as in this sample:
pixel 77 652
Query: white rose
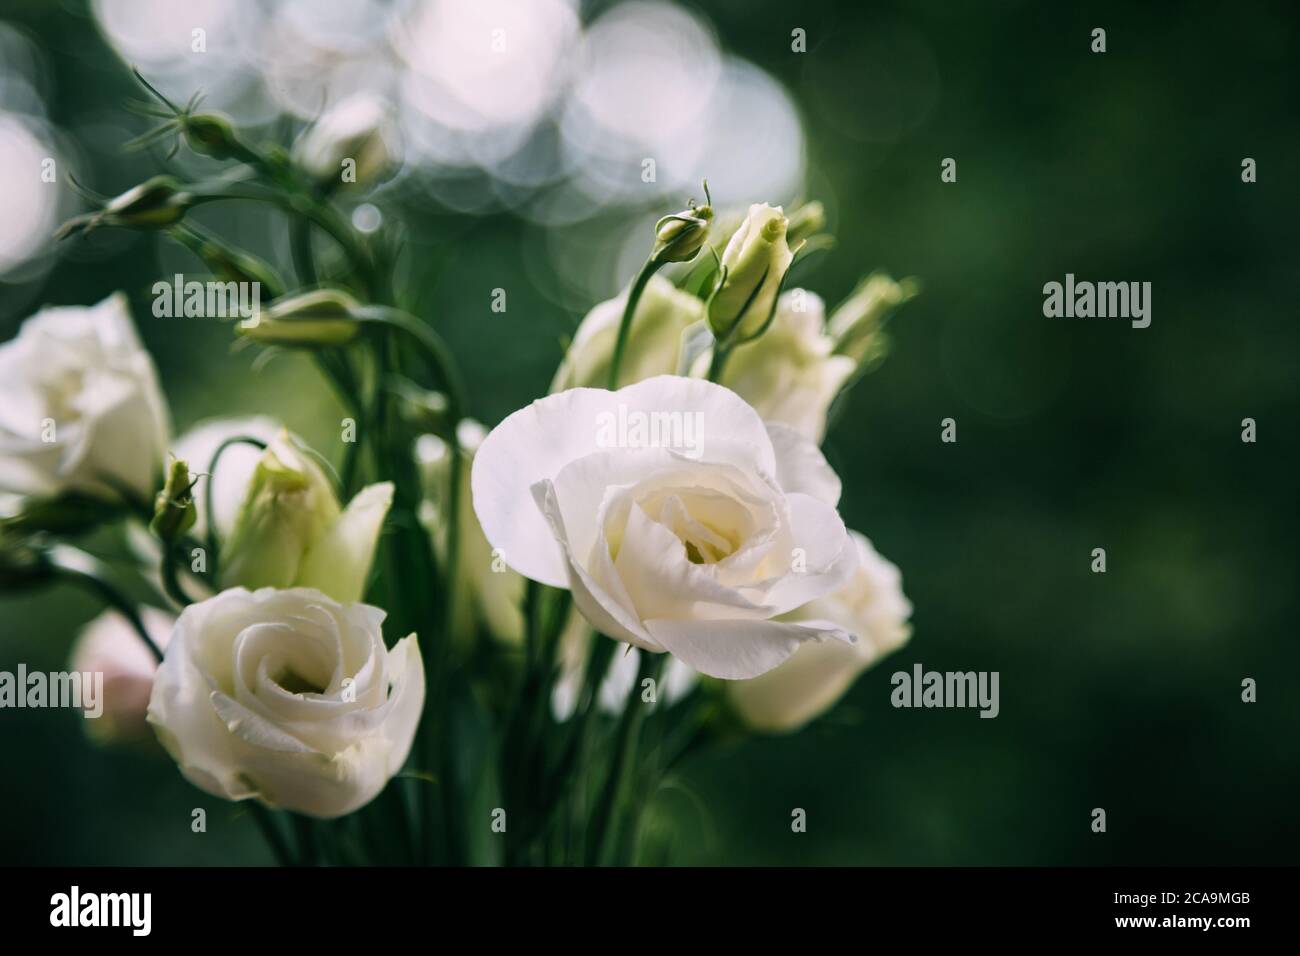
pixel 359 128
pixel 492 592
pixel 288 697
pixel 80 407
pixel 680 522
pixel 109 645
pixel 654 339
pixel 872 606
pixel 789 373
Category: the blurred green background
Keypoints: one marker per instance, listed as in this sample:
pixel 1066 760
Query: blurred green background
pixel 1120 690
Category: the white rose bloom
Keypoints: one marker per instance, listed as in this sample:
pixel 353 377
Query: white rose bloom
pixel 494 596
pixel 679 520
pixel 288 697
pixel 653 344
pixel 109 645
pixel 80 407
pixel 789 373
pixel 359 128
pixel 872 606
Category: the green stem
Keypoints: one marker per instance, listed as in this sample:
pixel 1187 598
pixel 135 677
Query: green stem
pixel 207 491
pixel 720 355
pixel 623 768
pixel 625 324
pixel 170 581
pixel 79 567
pixel 300 243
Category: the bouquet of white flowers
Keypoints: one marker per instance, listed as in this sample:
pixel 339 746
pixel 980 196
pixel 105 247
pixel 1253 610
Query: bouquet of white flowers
pixel 439 643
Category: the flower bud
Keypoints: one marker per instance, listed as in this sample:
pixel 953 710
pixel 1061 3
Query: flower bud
pixel 805 222
pixel 755 263
pixel 359 129
pixel 288 506
pixel 212 135
pixel 154 204
pixel 322 317
pixel 680 236
pixel 856 323
pixel 22 566
pixel 291 532
pixel 173 510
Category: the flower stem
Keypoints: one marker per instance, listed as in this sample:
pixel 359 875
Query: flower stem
pixel 718 361
pixel 623 768
pixel 651 266
pixel 79 567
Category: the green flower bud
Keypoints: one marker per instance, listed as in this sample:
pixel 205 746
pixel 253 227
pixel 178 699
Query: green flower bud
pixel 22 566
pixel 805 222
pixel 755 263
pixel 856 323
pixel 322 317
pixel 154 204
pixel 680 236
pixel 173 509
pixel 212 135
pixel 291 531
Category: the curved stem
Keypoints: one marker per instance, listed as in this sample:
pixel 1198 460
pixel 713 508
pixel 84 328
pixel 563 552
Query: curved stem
pixel 625 324
pixel 321 215
pixel 77 566
pixel 207 490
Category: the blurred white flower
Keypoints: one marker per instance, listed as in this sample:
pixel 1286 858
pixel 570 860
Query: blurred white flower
pixel 110 645
pixel 790 373
pixel 80 407
pixel 872 606
pixel 488 589
pixel 288 697
pixel 29 206
pixel 359 131
pixel 654 339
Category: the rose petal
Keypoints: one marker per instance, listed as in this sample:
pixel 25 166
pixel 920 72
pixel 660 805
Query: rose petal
pixel 737 650
pixel 534 443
